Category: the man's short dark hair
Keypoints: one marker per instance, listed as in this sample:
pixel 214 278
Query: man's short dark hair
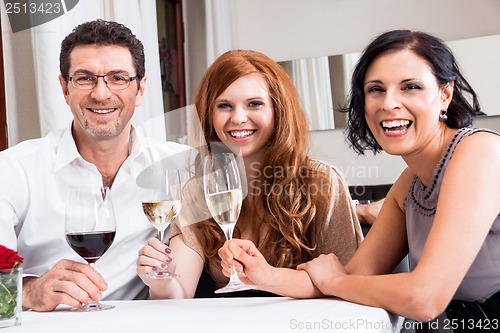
pixel 102 33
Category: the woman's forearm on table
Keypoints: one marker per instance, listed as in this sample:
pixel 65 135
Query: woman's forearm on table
pixel 292 283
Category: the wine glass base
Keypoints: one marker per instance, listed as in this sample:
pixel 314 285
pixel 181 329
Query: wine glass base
pixel 160 275
pixel 93 307
pixel 234 286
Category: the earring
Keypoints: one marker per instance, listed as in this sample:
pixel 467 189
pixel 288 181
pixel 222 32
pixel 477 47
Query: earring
pixel 442 116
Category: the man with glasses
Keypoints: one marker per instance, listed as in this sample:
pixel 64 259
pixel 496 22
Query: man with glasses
pixel 103 80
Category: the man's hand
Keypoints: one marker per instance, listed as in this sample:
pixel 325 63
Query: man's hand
pixel 367 213
pixel 68 282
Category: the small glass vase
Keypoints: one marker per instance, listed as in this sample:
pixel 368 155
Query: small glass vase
pixel 11 283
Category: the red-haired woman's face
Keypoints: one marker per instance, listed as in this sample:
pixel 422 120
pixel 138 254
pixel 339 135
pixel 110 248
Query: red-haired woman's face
pixel 243 115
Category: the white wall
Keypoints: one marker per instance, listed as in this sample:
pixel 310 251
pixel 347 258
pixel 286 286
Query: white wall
pixel 330 146
pixel 478 59
pixel 293 29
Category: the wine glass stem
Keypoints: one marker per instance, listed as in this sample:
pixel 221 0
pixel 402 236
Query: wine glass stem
pixel 228 232
pixel 234 274
pixel 234 279
pixel 161 232
pixel 93 303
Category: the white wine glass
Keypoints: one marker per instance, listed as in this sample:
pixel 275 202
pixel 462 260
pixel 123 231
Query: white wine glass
pixel 90 228
pixel 161 206
pixel 224 195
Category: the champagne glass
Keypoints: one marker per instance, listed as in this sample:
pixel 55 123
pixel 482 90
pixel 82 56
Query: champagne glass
pixel 224 195
pixel 161 206
pixel 90 228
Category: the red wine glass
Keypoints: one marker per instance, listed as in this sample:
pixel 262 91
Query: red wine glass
pixel 90 228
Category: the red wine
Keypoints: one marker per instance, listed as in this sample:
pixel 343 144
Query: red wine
pixel 90 245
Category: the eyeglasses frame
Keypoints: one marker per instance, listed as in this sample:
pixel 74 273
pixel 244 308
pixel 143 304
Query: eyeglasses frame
pixel 70 78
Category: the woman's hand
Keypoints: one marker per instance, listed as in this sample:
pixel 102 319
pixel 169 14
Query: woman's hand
pixel 153 257
pixel 250 264
pixel 323 270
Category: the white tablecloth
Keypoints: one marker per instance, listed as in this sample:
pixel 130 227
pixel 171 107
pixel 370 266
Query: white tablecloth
pixel 235 315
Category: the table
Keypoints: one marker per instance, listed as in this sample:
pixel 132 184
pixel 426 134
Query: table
pixel 259 314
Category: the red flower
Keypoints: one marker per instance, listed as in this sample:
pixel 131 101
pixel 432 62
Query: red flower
pixel 9 258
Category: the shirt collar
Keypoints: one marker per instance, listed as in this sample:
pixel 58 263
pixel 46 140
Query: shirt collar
pixel 67 151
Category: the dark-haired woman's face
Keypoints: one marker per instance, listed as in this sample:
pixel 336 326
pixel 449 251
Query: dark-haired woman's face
pixel 403 101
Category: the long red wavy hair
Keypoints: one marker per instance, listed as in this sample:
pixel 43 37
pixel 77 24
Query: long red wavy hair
pixel 291 214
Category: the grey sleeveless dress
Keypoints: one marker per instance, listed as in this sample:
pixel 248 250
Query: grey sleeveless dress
pixel 483 278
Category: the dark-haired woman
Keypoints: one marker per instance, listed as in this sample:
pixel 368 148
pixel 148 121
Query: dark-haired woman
pixel 410 99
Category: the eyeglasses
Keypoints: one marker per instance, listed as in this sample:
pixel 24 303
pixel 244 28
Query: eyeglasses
pixel 89 81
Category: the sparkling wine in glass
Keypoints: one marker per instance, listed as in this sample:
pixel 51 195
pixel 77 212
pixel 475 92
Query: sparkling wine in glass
pixel 161 206
pixel 90 228
pixel 224 195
